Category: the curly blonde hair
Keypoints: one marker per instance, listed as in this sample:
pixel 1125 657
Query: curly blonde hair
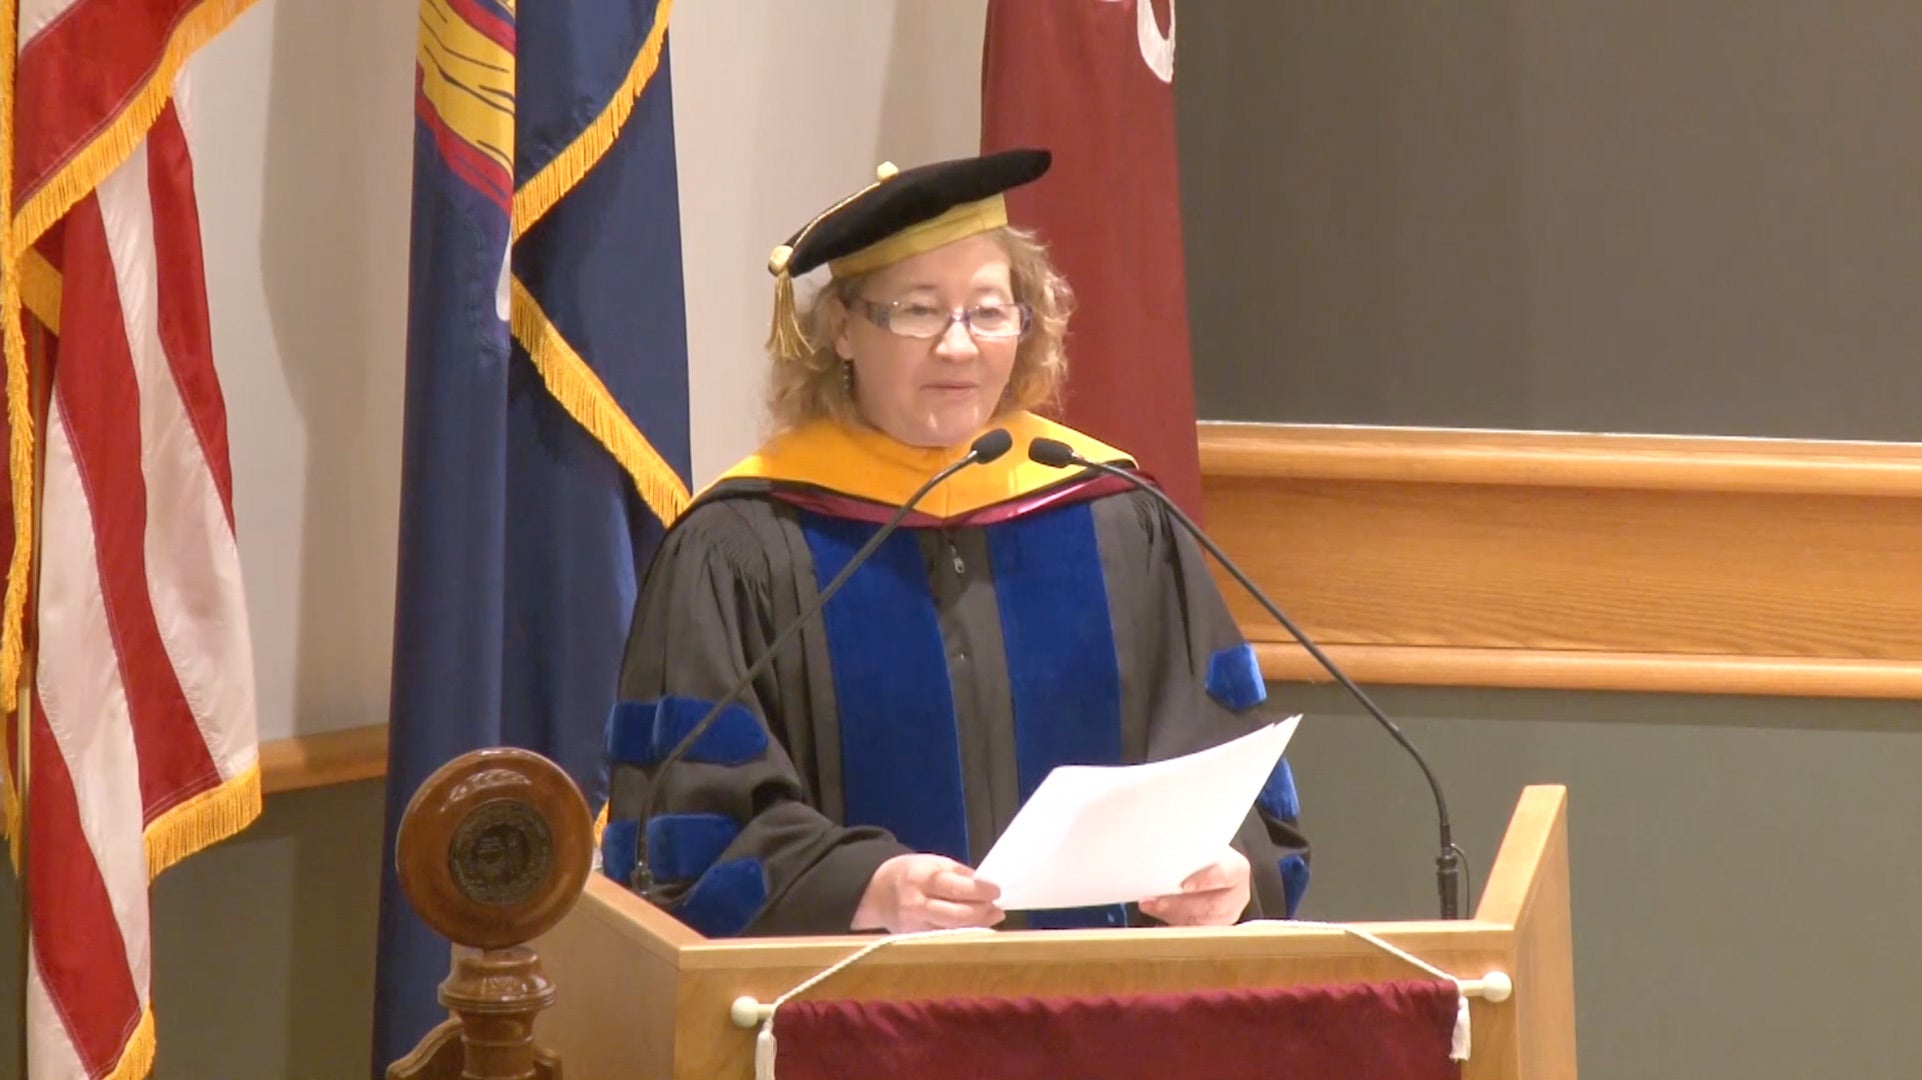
pixel 805 383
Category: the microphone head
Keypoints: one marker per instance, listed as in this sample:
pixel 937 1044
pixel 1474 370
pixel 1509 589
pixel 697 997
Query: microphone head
pixel 1051 452
pixel 991 445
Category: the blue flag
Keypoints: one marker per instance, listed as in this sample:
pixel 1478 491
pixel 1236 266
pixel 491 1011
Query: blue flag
pixel 545 442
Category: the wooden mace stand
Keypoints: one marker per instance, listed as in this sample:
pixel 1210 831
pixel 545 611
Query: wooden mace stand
pixel 492 852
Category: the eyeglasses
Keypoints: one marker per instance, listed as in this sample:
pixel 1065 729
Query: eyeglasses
pixel 986 322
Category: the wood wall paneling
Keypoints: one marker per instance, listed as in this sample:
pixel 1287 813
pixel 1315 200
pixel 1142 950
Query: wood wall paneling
pixel 1662 564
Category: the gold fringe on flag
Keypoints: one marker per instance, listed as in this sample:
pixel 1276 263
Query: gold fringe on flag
pixel 586 398
pixel 136 1061
pixel 536 197
pixel 116 142
pixel 568 377
pixel 202 821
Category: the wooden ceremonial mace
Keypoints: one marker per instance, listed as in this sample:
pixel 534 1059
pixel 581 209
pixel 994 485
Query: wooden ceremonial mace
pixel 493 850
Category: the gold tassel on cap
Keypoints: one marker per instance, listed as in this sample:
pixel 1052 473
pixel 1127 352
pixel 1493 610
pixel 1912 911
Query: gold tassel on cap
pixel 785 337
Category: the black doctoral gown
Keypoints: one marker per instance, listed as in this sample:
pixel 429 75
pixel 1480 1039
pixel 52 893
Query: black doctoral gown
pixel 1023 618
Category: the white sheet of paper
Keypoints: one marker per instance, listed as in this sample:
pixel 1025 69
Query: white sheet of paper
pixel 1095 834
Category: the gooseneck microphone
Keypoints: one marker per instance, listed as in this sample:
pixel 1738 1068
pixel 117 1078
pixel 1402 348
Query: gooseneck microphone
pixel 1448 865
pixel 989 446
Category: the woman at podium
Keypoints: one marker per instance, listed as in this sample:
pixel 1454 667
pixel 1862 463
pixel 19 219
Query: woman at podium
pixel 1019 618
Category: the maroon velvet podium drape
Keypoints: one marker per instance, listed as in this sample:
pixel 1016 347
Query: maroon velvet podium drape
pixel 1377 1031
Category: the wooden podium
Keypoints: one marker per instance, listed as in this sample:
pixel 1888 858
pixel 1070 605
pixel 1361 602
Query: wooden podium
pixel 640 995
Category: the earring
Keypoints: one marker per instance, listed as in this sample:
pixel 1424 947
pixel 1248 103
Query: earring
pixel 847 377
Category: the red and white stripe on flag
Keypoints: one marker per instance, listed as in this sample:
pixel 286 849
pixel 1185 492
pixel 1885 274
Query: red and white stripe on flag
pixel 143 740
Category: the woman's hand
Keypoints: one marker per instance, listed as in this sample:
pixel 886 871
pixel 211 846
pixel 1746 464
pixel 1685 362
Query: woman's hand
pixel 1214 895
pixel 927 892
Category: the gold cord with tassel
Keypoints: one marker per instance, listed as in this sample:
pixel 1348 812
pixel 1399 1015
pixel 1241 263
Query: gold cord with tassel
pixel 785 337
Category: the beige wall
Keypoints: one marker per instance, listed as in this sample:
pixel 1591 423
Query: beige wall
pixel 302 129
pixel 781 108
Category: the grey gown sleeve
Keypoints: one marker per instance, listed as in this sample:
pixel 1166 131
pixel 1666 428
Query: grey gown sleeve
pixel 737 844
pixel 1212 691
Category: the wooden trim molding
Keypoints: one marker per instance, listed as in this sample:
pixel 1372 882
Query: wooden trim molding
pixel 1576 561
pixel 333 757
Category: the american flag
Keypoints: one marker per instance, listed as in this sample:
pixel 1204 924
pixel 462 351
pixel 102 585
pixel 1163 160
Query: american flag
pixel 124 611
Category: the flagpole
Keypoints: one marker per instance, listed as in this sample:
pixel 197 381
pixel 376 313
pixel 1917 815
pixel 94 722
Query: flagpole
pixel 23 718
pixel 23 705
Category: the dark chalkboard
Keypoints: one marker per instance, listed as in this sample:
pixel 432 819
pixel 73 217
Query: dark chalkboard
pixel 1698 217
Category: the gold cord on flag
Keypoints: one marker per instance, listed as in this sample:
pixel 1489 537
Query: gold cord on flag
pixel 19 404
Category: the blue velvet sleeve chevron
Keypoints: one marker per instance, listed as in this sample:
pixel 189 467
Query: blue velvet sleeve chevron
pixel 620 849
pixel 1280 801
pixel 1234 678
pixel 683 846
pixel 1278 798
pixel 722 896
pixel 725 895
pixel 725 900
pixel 1234 681
pixel 1294 882
pixel 643 732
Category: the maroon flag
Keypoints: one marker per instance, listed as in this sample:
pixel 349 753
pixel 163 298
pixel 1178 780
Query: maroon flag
pixel 1382 1031
pixel 1092 80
